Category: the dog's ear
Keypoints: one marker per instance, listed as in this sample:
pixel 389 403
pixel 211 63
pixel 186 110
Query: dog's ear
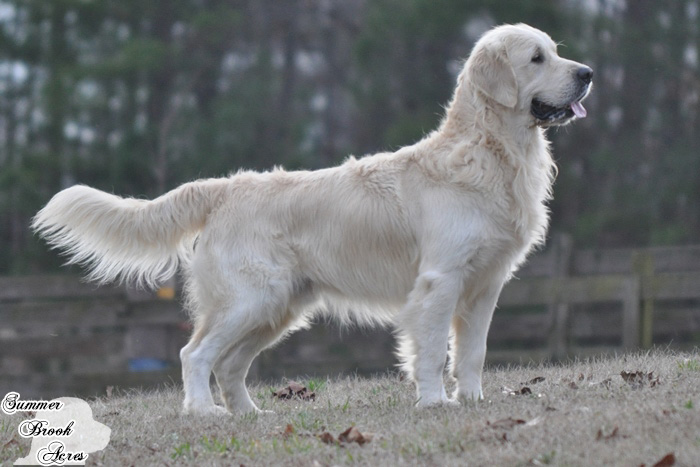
pixel 490 71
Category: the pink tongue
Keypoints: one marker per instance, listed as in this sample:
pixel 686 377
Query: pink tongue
pixel 579 110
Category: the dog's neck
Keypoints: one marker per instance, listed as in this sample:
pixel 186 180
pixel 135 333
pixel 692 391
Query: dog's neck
pixel 470 112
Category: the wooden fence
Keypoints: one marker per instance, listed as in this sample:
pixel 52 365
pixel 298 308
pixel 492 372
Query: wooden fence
pixel 621 298
pixel 59 336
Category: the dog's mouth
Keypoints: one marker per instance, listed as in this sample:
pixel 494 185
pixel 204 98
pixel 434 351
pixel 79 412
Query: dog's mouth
pixel 548 114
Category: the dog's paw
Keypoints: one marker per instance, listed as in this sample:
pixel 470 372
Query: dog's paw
pixel 437 402
pixel 469 390
pixel 454 402
pixel 469 396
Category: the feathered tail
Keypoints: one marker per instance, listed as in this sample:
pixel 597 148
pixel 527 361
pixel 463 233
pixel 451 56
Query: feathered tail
pixel 124 238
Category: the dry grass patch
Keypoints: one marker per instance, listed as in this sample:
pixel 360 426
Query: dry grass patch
pixel 581 413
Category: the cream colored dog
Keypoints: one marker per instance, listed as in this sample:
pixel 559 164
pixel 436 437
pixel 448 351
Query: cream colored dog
pixel 423 238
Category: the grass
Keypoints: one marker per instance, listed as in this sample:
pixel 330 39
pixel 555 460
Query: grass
pixel 582 413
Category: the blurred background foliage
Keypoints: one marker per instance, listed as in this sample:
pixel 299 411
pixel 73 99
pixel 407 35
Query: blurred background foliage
pixel 137 97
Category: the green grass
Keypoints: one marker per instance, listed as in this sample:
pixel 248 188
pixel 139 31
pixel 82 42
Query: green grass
pixel 689 364
pixel 582 413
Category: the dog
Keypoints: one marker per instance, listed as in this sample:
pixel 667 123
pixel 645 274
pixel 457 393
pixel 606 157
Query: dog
pixel 423 238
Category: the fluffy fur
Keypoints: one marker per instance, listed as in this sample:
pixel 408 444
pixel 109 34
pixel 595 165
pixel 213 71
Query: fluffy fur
pixel 423 238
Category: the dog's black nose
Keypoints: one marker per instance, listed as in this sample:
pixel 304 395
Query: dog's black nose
pixel 585 74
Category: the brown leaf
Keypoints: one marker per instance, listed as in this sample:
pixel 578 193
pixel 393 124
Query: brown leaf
pixel 506 423
pixel 353 435
pixel 638 379
pixel 631 377
pixel 601 437
pixel 327 438
pixel 666 461
pixel 523 391
pixel 573 385
pixel 536 380
pixel 294 389
pixel 284 393
pixel 288 431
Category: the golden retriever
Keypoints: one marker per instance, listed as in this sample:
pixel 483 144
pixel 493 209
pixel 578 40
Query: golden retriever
pixel 423 238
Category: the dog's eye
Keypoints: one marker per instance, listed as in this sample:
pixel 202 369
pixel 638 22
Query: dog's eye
pixel 538 57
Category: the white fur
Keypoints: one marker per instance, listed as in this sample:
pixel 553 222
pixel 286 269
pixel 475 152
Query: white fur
pixel 423 238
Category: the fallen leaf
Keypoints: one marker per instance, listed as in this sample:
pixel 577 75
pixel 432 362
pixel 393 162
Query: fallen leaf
pixel 327 438
pixel 631 377
pixel 284 393
pixel 638 379
pixel 294 389
pixel 535 380
pixel 519 392
pixel 506 423
pixel 666 461
pixel 288 431
pixel 573 385
pixel 601 437
pixel 353 435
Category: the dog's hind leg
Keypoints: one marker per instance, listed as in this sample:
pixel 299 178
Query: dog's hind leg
pixel 198 357
pixel 236 320
pixel 232 366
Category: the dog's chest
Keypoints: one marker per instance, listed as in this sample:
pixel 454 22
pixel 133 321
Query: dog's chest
pixel 527 191
pixel 519 189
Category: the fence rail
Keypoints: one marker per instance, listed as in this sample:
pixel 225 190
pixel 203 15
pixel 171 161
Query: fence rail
pixel 59 336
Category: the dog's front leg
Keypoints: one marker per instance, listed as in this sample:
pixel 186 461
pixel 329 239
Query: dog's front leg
pixel 471 326
pixel 425 327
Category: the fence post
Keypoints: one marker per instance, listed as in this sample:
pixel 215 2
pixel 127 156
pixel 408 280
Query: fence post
pixel 644 268
pixel 562 250
pixel 631 314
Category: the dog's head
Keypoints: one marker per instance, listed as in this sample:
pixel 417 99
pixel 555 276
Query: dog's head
pixel 517 67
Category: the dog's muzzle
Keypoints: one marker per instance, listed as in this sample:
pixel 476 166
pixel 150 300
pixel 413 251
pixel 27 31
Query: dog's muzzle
pixel 548 114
